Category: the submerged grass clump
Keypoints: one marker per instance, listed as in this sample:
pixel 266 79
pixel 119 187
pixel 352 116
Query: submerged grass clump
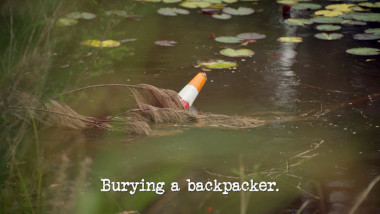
pixel 153 106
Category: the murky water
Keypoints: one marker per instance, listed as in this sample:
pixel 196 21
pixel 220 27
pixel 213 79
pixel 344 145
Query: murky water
pixel 282 80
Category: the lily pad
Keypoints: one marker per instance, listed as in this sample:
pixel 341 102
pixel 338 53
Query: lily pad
pixel 237 53
pixel 291 39
pixel 230 1
pixel 172 11
pixel 328 13
pixel 217 64
pixel 121 13
pixel 241 11
pixel 101 44
pixel 375 31
pixel 363 51
pixel 340 7
pixel 66 22
pixel 328 36
pixel 370 4
pixel 221 16
pixel 171 1
pixel 306 6
pixel 298 22
pixel 228 39
pixel 353 22
pixel 251 35
pixel 195 4
pixel 327 20
pixel 328 27
pixel 166 43
pixel 366 17
pixel 81 15
pixel 366 36
pixel 291 2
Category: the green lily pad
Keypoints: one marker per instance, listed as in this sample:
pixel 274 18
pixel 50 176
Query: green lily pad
pixel 217 64
pixel 328 36
pixel 370 4
pixel 298 22
pixel 66 22
pixel 195 4
pixel 353 22
pixel 237 53
pixel 251 35
pixel 171 1
pixel 328 27
pixel 221 16
pixel 366 36
pixel 81 15
pixel 366 17
pixel 290 39
pixel 327 20
pixel 364 51
pixel 172 11
pixel 241 11
pixel 228 39
pixel 306 6
pixel 213 1
pixel 121 13
pixel 375 31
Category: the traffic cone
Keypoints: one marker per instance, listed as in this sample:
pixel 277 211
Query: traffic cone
pixel 192 89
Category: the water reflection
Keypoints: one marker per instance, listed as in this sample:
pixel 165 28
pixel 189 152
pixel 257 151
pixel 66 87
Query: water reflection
pixel 284 78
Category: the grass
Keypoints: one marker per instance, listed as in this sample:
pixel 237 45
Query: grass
pixel 25 64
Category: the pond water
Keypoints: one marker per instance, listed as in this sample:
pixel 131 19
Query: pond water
pixel 282 80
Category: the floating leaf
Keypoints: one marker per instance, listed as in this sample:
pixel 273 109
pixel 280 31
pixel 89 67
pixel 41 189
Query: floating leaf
pixel 121 13
pixel 298 22
pixel 241 11
pixel 353 22
pixel 217 64
pixel 101 44
pixel 172 11
pixel 306 6
pixel 251 35
pixel 366 36
pixel 364 51
pixel 66 22
pixel 81 15
pixel 228 39
pixel 340 7
pixel 370 4
pixel 328 27
pixel 366 17
pixel 375 31
pixel 166 43
pixel 290 39
pixel 110 44
pixel 230 1
pixel 195 4
pixel 328 13
pixel 328 36
pixel 236 53
pixel 327 20
pixel 291 2
pixel 171 1
pixel 221 16
pixel 213 1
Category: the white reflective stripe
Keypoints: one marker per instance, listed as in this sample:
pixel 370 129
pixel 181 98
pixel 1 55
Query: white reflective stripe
pixel 189 93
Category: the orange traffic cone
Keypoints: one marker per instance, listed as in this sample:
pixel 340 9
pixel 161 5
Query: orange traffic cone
pixel 192 89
